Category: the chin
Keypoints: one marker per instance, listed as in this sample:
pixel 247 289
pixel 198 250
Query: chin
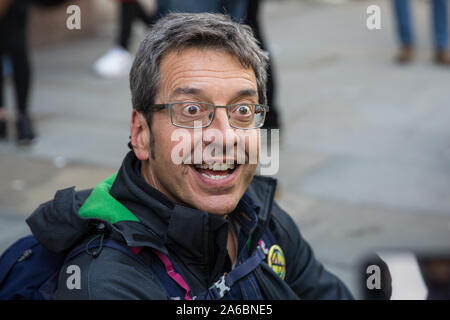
pixel 217 205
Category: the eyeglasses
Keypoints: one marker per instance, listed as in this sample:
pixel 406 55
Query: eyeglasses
pixel 193 115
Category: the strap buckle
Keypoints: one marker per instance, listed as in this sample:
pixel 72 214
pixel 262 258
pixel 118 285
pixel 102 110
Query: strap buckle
pixel 219 288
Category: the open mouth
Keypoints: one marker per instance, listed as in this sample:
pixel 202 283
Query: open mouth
pixel 216 171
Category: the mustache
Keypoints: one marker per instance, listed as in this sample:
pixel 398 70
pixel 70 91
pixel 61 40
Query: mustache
pixel 215 153
pixel 208 149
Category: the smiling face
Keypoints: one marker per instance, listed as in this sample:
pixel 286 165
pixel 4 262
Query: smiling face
pixel 201 76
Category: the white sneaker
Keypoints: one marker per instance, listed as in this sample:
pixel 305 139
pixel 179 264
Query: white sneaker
pixel 115 63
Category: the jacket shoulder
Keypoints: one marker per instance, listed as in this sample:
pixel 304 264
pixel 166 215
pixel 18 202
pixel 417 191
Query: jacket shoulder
pixel 110 276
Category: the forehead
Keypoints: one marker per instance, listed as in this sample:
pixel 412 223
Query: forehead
pixel 204 65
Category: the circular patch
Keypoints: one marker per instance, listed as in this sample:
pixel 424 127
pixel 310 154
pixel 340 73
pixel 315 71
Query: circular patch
pixel 275 260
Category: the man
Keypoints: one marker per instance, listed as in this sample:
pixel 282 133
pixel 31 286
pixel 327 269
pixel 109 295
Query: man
pixel 209 225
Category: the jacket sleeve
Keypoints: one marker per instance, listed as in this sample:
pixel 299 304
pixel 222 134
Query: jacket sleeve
pixel 110 276
pixel 304 273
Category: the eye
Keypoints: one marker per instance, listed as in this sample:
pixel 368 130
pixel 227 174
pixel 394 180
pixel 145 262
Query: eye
pixel 244 110
pixel 192 109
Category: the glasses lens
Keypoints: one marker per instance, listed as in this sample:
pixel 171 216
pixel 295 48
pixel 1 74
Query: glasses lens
pixel 247 116
pixel 191 114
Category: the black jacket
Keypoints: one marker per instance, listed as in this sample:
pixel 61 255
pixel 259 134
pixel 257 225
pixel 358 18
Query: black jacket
pixel 194 240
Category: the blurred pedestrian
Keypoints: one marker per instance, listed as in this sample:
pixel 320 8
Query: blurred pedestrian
pixel 117 61
pixel 13 43
pixel 440 31
pixel 272 118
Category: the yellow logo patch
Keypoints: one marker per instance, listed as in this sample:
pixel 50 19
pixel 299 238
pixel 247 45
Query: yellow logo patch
pixel 276 260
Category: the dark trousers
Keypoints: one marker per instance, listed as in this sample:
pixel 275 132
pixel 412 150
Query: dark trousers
pixel 129 11
pixel 272 117
pixel 13 43
pixel 438 16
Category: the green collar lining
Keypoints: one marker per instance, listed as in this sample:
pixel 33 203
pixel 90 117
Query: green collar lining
pixel 101 205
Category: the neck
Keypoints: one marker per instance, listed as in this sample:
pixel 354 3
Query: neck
pixel 231 245
pixel 149 177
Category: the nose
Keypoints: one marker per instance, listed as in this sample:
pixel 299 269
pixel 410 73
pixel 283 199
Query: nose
pixel 221 121
pixel 227 137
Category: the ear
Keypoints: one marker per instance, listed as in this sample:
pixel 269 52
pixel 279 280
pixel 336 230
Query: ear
pixel 140 135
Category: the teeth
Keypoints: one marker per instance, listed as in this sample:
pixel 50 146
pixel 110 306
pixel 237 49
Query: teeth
pixel 216 166
pixel 215 177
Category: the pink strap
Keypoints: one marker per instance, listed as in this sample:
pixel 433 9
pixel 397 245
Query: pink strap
pixel 136 250
pixel 169 269
pixel 173 274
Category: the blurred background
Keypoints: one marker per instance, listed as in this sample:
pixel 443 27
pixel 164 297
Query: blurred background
pixel 365 128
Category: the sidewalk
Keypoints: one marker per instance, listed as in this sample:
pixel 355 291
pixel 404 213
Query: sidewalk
pixel 365 157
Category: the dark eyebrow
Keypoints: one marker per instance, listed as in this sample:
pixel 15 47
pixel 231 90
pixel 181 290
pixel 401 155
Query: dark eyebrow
pixel 186 90
pixel 247 93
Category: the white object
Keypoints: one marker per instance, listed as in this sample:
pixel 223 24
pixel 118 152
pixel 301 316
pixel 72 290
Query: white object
pixel 407 280
pixel 115 63
pixel 59 162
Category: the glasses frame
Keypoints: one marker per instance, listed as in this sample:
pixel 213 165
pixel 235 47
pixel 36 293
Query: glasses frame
pixel 159 107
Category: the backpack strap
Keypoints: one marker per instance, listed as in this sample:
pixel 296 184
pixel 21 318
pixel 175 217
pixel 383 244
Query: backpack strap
pixel 225 282
pixel 173 274
pixel 93 247
pixel 109 243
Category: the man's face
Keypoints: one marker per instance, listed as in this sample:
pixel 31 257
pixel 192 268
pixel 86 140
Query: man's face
pixel 202 76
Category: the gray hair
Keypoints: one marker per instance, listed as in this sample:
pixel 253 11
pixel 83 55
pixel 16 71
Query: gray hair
pixel 178 31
